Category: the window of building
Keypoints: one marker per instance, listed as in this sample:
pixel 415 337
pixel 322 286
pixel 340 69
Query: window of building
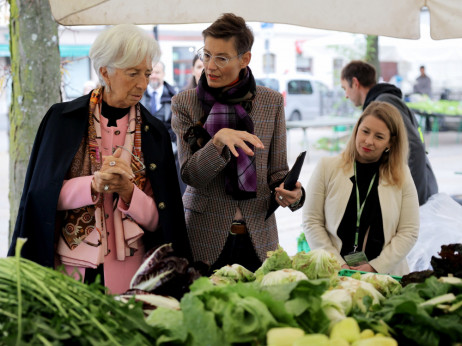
pixel 182 65
pixel 269 63
pixel 304 64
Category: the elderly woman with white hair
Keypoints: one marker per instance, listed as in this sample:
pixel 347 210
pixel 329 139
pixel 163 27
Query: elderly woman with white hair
pixel 101 186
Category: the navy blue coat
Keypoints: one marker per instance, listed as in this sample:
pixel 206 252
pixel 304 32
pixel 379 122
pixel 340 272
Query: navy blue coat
pixel 56 143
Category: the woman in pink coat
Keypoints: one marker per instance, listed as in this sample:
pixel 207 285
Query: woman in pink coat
pixel 101 186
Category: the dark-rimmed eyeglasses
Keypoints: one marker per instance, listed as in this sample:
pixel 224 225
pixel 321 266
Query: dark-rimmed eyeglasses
pixel 219 60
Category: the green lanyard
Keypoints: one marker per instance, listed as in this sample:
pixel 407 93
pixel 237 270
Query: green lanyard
pixel 359 210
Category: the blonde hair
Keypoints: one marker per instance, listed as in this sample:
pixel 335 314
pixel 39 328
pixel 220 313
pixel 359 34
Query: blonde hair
pixel 122 46
pixel 393 164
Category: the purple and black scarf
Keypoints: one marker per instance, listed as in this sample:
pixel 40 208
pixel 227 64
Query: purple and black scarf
pixel 228 107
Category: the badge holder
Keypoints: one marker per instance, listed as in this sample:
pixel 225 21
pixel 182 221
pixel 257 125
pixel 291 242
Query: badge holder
pixel 355 259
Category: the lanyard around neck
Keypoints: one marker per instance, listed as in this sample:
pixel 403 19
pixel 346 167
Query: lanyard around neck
pixel 359 209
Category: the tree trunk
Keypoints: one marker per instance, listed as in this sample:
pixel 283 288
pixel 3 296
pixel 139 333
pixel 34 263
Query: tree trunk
pixel 35 67
pixel 372 52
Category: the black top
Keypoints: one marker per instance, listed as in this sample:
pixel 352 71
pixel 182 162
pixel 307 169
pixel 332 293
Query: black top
pixel 371 215
pixel 113 113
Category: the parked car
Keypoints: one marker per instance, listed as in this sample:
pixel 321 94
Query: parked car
pixel 304 96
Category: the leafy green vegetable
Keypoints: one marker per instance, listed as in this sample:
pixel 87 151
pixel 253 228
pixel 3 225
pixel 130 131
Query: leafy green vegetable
pixel 40 305
pixel 168 326
pixel 201 323
pixel 337 304
pixel 221 315
pixel 232 274
pixel 282 276
pixel 445 107
pixel 305 303
pixel 244 312
pixel 360 289
pixel 412 321
pixel 385 284
pixel 316 264
pixel 246 316
pixel 278 259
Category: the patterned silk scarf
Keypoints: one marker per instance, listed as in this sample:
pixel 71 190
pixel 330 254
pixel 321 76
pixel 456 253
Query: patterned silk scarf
pixel 79 223
pixel 228 108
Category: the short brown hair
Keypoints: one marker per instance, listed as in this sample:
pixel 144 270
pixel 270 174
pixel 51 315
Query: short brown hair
pixel 363 71
pixel 228 26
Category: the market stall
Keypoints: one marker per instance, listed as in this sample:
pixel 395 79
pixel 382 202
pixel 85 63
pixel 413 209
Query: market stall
pixel 303 300
pixel 438 115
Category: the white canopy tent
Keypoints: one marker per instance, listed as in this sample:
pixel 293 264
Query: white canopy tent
pixel 394 18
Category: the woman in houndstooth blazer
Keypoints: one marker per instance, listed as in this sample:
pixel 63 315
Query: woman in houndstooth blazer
pixel 232 151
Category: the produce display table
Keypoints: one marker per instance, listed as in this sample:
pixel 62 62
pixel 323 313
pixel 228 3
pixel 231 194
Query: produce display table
pixel 336 123
pixel 437 113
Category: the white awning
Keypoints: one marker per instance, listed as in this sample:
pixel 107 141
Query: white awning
pixel 394 18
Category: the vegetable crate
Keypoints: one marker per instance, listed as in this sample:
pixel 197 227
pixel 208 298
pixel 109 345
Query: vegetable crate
pixel 350 272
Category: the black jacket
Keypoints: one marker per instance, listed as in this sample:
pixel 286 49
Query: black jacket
pixel 56 143
pixel 419 164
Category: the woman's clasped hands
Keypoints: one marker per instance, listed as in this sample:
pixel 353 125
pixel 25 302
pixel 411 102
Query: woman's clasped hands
pixel 115 176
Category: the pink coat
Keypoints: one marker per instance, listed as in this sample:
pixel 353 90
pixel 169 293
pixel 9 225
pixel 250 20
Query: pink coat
pixel 76 193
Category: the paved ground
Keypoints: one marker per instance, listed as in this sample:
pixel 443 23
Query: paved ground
pixel 445 154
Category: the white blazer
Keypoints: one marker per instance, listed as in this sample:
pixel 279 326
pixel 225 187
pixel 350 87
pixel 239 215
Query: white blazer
pixel 327 196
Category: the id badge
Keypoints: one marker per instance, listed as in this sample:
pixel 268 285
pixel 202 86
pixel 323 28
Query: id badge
pixel 356 258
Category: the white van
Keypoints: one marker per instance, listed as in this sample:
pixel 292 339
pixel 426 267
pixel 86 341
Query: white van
pixel 304 96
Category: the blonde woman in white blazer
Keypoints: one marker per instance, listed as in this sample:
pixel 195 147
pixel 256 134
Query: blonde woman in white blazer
pixel 388 225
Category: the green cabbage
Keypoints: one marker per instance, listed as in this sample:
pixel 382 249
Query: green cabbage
pixel 232 274
pixel 282 276
pixel 316 264
pixel 167 326
pixel 246 318
pixel 337 304
pixel 358 290
pixel 278 259
pixel 231 314
pixel 383 283
pixel 221 280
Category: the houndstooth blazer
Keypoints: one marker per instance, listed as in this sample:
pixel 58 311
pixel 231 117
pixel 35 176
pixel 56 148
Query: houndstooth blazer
pixel 209 211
